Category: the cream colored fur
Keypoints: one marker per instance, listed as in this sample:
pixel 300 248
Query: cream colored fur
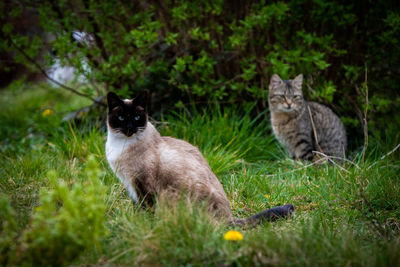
pixel 154 165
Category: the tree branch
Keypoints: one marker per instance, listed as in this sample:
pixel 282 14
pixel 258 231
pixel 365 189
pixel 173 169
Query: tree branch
pixel 37 65
pixel 96 30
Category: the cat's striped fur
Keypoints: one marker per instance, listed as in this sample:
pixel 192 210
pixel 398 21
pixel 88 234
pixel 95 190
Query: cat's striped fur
pixel 302 126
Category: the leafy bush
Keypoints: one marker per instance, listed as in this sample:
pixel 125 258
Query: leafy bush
pixel 224 50
pixel 67 222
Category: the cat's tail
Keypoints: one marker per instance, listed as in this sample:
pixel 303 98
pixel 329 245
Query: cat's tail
pixel 266 215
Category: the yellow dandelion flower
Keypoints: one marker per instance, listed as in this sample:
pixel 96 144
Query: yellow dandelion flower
pixel 233 236
pixel 267 196
pixel 47 112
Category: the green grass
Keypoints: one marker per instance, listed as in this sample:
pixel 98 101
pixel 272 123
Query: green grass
pixel 347 216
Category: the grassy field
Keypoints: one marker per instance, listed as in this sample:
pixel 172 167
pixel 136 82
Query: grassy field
pixel 61 204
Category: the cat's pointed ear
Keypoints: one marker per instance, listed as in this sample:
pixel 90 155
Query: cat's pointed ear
pixel 275 81
pixel 298 81
pixel 113 100
pixel 141 99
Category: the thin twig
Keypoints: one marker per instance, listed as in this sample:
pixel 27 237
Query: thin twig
pixel 330 158
pixel 229 81
pixel 314 129
pixel 153 121
pixel 340 158
pixel 384 156
pixel 299 169
pixel 365 122
pixel 317 162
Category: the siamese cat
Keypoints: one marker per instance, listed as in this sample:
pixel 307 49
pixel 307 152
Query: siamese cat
pixel 150 165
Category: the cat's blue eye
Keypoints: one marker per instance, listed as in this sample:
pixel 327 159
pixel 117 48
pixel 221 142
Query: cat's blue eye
pixel 120 118
pixel 137 117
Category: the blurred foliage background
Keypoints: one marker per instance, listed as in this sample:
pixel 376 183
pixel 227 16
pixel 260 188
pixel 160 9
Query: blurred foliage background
pixel 199 52
pixel 207 65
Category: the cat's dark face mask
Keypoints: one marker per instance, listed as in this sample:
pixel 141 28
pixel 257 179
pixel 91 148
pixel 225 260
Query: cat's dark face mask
pixel 127 116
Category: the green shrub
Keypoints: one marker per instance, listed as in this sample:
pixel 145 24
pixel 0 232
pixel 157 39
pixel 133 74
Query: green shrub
pixel 68 221
pixel 224 50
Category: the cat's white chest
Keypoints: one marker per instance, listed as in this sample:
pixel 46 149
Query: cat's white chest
pixel 116 145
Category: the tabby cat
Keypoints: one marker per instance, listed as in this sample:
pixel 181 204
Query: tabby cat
pixel 151 165
pixel 302 126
